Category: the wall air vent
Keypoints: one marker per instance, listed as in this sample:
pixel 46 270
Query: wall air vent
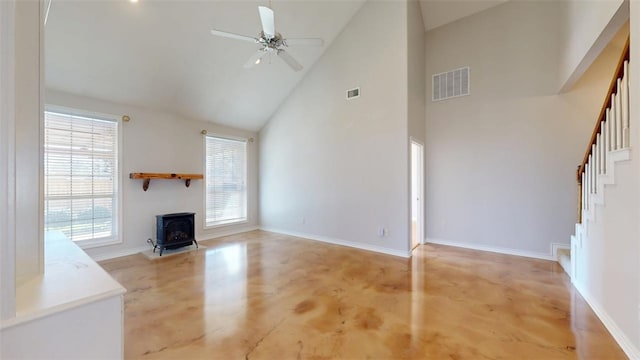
pixel 451 84
pixel 353 93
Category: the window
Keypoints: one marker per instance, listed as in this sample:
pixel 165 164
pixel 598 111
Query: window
pixel 226 175
pixel 81 177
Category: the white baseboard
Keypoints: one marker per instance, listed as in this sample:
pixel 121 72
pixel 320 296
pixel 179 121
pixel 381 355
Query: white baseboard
pixel 118 253
pixel 325 239
pixel 620 337
pixel 230 232
pixel 495 249
pixel 126 252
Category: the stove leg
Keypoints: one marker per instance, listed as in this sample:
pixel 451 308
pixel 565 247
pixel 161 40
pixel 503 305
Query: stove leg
pixel 194 240
pixel 149 241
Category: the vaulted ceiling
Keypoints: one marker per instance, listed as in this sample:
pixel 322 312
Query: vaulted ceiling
pixel 440 12
pixel 159 54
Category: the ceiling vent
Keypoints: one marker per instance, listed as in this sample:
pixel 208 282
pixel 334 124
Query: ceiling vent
pixel 450 84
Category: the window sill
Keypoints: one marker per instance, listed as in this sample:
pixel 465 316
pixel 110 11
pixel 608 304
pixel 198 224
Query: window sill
pixel 94 243
pixel 221 225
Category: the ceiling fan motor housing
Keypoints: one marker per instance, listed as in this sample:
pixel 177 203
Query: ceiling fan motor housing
pixel 274 43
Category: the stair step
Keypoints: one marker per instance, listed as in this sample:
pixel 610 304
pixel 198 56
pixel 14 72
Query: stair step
pixel 564 258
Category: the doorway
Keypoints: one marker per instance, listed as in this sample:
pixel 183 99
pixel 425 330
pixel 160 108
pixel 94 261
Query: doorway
pixel 417 186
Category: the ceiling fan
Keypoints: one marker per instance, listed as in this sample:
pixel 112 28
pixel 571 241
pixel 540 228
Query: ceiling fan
pixel 270 41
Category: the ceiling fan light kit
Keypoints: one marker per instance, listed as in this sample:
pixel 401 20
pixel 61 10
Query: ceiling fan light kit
pixel 270 41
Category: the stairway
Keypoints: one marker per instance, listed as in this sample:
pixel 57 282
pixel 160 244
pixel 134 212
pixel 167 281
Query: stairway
pixel 610 144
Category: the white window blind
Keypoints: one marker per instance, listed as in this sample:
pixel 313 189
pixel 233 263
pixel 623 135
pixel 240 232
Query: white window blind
pixel 81 176
pixel 226 191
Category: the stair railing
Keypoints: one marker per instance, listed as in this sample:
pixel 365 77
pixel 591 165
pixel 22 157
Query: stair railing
pixel 611 133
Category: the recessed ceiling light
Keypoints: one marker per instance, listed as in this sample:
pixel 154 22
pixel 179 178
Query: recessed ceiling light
pixel 133 1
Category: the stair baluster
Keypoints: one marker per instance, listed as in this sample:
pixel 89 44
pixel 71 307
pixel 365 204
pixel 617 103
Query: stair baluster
pixel 625 106
pixel 605 152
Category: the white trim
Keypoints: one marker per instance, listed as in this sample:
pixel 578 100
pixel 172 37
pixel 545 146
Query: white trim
pixel 204 179
pixel 96 243
pixel 228 233
pixel 495 249
pixel 120 183
pixel 41 96
pixel 71 111
pixel 7 161
pixel 224 224
pixel 47 8
pixel 224 136
pixel 625 343
pixel 132 251
pixel 118 253
pixel 325 239
pixel 421 232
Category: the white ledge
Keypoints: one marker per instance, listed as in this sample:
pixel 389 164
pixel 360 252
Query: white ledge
pixel 70 279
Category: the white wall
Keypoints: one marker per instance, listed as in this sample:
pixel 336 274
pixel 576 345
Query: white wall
pixel 501 162
pixel 161 142
pixel 608 263
pixel 588 27
pixel 7 161
pixel 334 169
pixel 91 331
pixel 415 71
pixel 29 246
pixel 21 246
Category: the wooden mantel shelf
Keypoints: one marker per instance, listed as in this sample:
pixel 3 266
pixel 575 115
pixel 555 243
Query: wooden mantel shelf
pixel 164 176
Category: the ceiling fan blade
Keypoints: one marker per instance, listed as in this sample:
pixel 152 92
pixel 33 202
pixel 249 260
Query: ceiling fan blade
pixel 289 60
pixel 268 24
pixel 255 59
pixel 304 42
pixel 233 36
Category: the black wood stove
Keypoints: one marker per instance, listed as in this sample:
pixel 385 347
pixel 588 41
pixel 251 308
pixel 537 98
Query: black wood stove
pixel 174 231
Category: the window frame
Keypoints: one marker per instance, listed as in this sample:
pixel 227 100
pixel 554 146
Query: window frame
pixel 116 237
pixel 241 221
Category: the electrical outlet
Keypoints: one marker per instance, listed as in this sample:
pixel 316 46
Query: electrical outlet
pixel 382 232
pixel 303 220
